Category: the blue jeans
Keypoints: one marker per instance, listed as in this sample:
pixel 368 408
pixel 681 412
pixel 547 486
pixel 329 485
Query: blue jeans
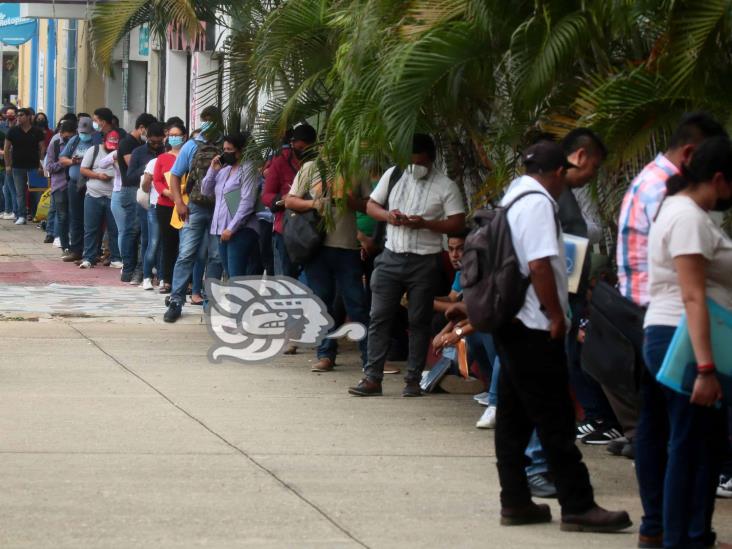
pixel 679 449
pixel 153 240
pixel 20 178
pixel 96 211
pixel 61 199
pixel 195 239
pixel 482 350
pixel 339 268
pixel 11 204
pixel 199 269
pixel 124 208
pixel 282 264
pixel 238 251
pixel 142 248
pixel 76 217
pixel 51 229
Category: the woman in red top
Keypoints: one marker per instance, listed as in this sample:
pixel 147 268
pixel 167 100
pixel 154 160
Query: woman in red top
pixel 164 208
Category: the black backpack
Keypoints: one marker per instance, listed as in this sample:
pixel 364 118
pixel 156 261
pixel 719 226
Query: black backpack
pixel 494 289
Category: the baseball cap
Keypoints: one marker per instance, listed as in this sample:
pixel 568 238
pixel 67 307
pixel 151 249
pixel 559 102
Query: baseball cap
pixel 546 156
pixel 85 125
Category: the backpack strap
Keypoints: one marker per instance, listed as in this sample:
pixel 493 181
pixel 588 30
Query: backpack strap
pixel 94 156
pixel 526 193
pixel 395 176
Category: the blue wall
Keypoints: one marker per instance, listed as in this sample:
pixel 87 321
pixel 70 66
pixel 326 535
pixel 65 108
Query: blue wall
pixel 34 70
pixel 51 75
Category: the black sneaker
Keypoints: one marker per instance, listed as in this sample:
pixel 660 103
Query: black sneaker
pixel 136 279
pixel 603 435
pixel 173 313
pixel 615 447
pixel 48 239
pixel 628 450
pixel 541 486
pixel 125 277
pixel 586 427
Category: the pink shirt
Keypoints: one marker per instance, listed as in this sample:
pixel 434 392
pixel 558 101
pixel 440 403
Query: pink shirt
pixel 639 207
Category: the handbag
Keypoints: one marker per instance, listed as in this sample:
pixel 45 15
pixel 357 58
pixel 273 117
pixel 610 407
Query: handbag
pixel 304 232
pixel 612 353
pixel 678 370
pixel 143 198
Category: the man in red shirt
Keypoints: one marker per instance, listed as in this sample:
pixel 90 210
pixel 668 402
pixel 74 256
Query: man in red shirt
pixel 277 183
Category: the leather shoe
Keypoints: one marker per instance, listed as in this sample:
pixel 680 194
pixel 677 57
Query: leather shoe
pixel 323 365
pixel 366 388
pixel 650 542
pixel 528 514
pixel 412 389
pixel 596 519
pixel 70 257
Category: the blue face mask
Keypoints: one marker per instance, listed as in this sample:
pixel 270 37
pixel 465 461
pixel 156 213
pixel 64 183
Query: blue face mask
pixel 85 137
pixel 175 141
pixel 206 126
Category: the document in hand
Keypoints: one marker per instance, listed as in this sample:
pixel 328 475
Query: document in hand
pixel 678 370
pixel 575 249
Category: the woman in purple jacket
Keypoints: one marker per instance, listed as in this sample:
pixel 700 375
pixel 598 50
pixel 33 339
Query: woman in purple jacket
pixel 234 185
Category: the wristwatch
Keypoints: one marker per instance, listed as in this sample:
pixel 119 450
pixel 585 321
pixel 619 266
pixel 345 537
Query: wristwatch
pixel 459 331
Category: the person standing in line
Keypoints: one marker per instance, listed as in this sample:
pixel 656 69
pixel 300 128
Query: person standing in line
pixel 24 148
pixel 59 179
pixel 169 235
pixel 97 203
pixel 682 440
pixel 533 382
pixel 233 184
pixel 71 157
pixel 194 160
pixel 41 122
pixel 423 206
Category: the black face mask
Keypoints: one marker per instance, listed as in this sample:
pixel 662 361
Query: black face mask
pixel 228 159
pixel 42 123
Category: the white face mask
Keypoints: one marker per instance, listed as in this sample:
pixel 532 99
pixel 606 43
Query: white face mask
pixel 418 171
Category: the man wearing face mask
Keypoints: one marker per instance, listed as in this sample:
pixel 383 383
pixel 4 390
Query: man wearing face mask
pixel 71 157
pixel 423 205
pixel 277 183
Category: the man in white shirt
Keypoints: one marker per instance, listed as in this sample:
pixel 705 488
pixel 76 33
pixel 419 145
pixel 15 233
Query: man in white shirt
pixel 422 206
pixel 533 385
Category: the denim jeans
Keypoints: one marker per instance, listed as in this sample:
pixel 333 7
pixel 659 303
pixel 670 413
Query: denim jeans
pixel 11 205
pixel 482 350
pixel 339 269
pixel 194 240
pixel 679 449
pixel 282 264
pixel 153 240
pixel 61 199
pixel 96 211
pixel 20 178
pixel 238 251
pixel 199 269
pixel 51 220
pixel 76 217
pixel 124 208
pixel 142 248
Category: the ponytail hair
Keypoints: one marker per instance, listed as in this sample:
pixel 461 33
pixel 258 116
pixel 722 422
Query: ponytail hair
pixel 713 155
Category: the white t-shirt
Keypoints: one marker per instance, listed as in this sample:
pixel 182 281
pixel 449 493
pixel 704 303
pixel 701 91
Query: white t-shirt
pixel 435 198
pixel 150 169
pixel 96 188
pixel 683 228
pixel 535 235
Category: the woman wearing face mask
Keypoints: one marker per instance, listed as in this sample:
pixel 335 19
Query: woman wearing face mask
pixel 234 185
pixel 164 208
pixel 681 440
pixel 41 122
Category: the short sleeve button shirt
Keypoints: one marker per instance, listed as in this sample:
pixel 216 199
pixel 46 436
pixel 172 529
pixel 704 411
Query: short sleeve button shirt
pixel 436 197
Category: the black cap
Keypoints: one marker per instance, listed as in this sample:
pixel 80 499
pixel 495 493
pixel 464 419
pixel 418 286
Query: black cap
pixel 546 156
pixel 305 132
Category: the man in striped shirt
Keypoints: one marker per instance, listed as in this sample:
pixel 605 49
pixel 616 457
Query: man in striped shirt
pixel 643 198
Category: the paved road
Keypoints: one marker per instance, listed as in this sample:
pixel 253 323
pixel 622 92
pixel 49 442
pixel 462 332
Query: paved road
pixel 118 432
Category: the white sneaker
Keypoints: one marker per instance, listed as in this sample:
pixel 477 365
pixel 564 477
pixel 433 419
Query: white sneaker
pixel 57 242
pixel 161 285
pixel 480 396
pixel 488 419
pixel 85 265
pixel 7 216
pixel 724 488
pixel 20 221
pixel 147 284
pixel 116 264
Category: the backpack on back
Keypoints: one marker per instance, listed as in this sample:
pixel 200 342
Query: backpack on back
pixel 205 153
pixel 494 289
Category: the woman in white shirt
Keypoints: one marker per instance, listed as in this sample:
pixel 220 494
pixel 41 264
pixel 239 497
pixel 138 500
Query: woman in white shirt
pixel 681 440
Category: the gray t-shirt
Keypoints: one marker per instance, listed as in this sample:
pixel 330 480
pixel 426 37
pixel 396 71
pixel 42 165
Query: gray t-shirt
pixel 96 188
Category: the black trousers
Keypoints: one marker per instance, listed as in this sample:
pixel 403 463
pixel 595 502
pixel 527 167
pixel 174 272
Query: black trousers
pixel 169 239
pixel 533 392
